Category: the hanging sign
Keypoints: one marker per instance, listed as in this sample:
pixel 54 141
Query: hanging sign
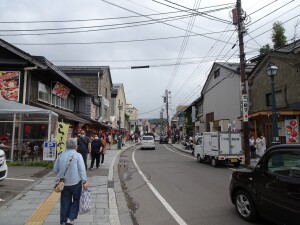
pixel 61 90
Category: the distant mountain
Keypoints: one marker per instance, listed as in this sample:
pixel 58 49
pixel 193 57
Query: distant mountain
pixel 157 121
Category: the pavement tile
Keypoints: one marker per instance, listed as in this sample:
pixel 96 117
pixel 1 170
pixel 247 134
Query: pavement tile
pixel 108 207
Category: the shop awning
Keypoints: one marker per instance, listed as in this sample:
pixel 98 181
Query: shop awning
pixel 269 113
pixel 64 114
pixel 10 107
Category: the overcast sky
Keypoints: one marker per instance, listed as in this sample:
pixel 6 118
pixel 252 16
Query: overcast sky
pixel 140 20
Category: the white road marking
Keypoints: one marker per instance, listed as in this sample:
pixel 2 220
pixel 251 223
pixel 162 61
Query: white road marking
pixel 232 169
pixel 178 219
pixel 19 179
pixel 180 153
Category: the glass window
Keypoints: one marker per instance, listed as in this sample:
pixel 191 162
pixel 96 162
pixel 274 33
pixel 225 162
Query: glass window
pixel 278 98
pixel 43 92
pixel 147 138
pixel 199 141
pixel 70 103
pixel 284 164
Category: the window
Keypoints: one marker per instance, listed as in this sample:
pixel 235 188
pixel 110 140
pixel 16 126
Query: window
pixel 70 103
pixel 278 98
pixel 217 73
pixel 43 93
pixel 284 164
pixel 199 141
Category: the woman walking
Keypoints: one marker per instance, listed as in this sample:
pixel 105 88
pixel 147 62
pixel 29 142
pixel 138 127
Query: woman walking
pixel 261 145
pixel 95 152
pixel 70 166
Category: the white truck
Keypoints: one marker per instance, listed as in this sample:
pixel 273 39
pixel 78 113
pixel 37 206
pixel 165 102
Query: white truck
pixel 3 166
pixel 219 147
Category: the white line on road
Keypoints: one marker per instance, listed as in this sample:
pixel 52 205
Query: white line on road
pixel 178 219
pixel 180 153
pixel 19 179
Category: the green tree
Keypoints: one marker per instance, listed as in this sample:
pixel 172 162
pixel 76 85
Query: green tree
pixel 278 37
pixel 264 49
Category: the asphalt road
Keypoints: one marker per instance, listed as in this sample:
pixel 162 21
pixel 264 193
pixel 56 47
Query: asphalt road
pixel 19 178
pixel 198 193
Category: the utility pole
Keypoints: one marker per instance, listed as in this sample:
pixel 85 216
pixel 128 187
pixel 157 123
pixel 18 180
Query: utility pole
pixel 162 120
pixel 167 108
pixel 241 31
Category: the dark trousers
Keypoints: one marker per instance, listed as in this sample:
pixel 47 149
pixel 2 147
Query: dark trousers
pixel 84 156
pixel 253 152
pixel 69 202
pixel 95 156
pixel 102 157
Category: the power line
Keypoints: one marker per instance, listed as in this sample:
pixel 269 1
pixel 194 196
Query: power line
pixel 112 42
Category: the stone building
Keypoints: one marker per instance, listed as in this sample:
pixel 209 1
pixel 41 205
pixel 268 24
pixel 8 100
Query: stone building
pixel 118 98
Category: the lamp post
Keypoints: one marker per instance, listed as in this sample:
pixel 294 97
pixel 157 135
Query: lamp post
pixel 272 72
pixel 119 136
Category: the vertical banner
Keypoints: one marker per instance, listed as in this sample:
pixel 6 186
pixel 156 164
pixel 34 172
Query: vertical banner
pixel 245 107
pixel 61 137
pixel 9 85
pixel 291 131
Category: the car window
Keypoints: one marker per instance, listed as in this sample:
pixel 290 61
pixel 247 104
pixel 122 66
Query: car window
pixel 284 164
pixel 147 138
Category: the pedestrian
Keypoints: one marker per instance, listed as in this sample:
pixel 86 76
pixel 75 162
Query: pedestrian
pixel 84 146
pixel 123 141
pixel 109 139
pixel 261 145
pixel 95 152
pixel 102 149
pixel 252 147
pixel 74 179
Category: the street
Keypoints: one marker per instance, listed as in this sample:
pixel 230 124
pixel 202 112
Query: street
pixel 196 193
pixel 19 178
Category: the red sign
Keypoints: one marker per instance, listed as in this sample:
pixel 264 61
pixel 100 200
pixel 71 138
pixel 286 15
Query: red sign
pixel 9 85
pixel 61 90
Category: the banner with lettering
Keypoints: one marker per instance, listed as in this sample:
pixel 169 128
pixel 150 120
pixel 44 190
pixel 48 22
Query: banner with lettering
pixel 291 131
pixel 61 137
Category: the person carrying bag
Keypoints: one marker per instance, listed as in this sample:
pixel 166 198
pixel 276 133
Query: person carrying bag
pixel 71 167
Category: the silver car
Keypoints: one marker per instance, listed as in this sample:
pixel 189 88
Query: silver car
pixel 3 166
pixel 148 142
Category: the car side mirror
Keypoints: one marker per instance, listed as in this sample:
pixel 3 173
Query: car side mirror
pixel 257 167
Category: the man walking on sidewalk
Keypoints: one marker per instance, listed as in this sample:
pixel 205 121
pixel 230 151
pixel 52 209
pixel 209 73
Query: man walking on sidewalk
pixel 84 146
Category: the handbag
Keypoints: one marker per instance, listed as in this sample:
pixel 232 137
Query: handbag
pixel 85 203
pixel 60 184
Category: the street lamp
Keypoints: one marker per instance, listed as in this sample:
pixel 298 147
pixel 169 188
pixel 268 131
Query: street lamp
pixel 272 72
pixel 119 136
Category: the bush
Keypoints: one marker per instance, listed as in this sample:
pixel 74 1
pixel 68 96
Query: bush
pixel 48 165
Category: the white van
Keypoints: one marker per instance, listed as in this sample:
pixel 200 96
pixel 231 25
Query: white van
pixel 3 166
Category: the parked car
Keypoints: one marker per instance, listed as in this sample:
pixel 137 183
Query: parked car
pixel 3 166
pixel 163 140
pixel 148 142
pixel 271 189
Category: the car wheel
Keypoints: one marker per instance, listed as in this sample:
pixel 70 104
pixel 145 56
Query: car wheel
pixel 199 159
pixel 245 206
pixel 153 148
pixel 214 162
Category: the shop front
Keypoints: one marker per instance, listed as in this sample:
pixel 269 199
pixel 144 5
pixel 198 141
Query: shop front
pixel 24 129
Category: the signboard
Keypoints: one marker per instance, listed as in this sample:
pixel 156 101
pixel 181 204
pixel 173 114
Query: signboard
pixel 61 137
pixel 193 114
pixel 49 152
pixel 245 107
pixel 93 112
pixel 61 90
pixel 291 131
pixel 9 85
pixel 105 102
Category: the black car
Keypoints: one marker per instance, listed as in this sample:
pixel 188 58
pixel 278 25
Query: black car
pixel 163 140
pixel 272 189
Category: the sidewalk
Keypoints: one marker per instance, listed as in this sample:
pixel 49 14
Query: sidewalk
pixel 40 205
pixel 182 148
